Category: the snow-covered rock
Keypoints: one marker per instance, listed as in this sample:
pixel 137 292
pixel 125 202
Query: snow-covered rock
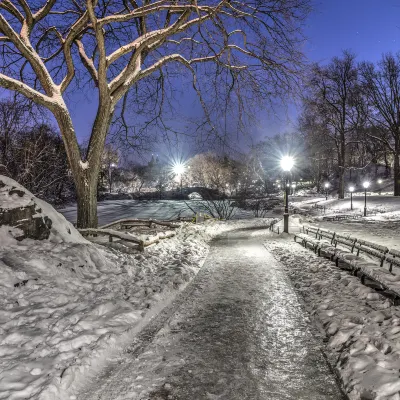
pixel 31 217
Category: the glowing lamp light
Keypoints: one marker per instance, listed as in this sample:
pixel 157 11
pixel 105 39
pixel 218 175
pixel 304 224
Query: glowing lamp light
pixel 326 185
pixel 351 188
pixel 379 181
pixel 179 169
pixel 287 163
pixel 366 185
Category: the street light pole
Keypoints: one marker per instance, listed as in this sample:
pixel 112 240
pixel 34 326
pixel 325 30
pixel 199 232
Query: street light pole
pixel 286 164
pixel 366 185
pixel 326 190
pixel 351 188
pixel 110 175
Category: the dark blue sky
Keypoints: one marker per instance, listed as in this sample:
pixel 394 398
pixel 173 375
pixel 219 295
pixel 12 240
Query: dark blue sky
pixel 367 27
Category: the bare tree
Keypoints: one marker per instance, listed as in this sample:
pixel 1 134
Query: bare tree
pixel 334 97
pixel 381 87
pixel 46 46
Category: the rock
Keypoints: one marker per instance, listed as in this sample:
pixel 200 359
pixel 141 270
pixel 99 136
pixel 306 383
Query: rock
pixel 25 216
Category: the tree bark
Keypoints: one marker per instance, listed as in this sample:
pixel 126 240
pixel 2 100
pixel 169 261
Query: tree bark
pixel 86 190
pixel 86 173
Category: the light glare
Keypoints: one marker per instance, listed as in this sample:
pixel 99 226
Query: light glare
pixel 366 185
pixel 287 163
pixel 179 169
pixel 351 188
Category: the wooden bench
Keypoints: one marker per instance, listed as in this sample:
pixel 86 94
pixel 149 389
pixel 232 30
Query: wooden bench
pixel 305 236
pixel 342 240
pixel 393 258
pixel 353 258
pixel 365 268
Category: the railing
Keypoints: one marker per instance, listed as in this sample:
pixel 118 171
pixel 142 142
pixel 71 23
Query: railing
pixel 128 237
pixel 274 228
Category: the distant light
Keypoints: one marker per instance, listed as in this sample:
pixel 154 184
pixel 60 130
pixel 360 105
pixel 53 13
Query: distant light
pixel 366 185
pixel 179 169
pixel 293 185
pixel 379 181
pixel 326 185
pixel 287 163
pixel 351 188
pixel 112 165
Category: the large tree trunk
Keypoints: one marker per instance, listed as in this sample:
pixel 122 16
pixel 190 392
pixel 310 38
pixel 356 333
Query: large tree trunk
pixel 86 191
pixel 86 173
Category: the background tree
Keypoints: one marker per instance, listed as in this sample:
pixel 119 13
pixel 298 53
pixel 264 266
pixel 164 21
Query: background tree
pixel 46 46
pixel 33 152
pixel 334 100
pixel 381 87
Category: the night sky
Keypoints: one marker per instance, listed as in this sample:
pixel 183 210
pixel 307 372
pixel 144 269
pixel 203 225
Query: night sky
pixel 367 27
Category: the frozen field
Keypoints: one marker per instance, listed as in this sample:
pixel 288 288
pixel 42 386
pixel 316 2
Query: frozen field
pixel 111 210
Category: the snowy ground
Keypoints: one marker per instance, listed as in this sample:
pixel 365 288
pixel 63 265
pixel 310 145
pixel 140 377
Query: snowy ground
pixel 382 228
pixel 362 327
pixel 238 333
pixel 67 305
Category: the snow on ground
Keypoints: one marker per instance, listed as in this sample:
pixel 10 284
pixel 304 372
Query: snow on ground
pixel 379 207
pixel 111 210
pixel 66 304
pixel 382 228
pixel 362 327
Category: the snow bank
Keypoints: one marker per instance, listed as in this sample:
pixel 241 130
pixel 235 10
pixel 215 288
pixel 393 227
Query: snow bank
pixel 361 326
pixel 66 304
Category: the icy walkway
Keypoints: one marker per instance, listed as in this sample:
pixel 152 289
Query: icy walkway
pixel 238 332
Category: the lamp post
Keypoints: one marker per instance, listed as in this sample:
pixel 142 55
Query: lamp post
pixel 293 188
pixel 366 186
pixel 380 186
pixel 351 189
pixel 326 190
pixel 179 170
pixel 112 165
pixel 287 163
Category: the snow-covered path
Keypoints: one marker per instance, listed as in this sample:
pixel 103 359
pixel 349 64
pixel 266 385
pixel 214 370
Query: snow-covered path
pixel 237 332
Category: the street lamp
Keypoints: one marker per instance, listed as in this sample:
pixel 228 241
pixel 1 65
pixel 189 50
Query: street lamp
pixel 366 186
pixel 326 190
pixel 112 165
pixel 351 189
pixel 293 188
pixel 380 187
pixel 179 170
pixel 287 163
